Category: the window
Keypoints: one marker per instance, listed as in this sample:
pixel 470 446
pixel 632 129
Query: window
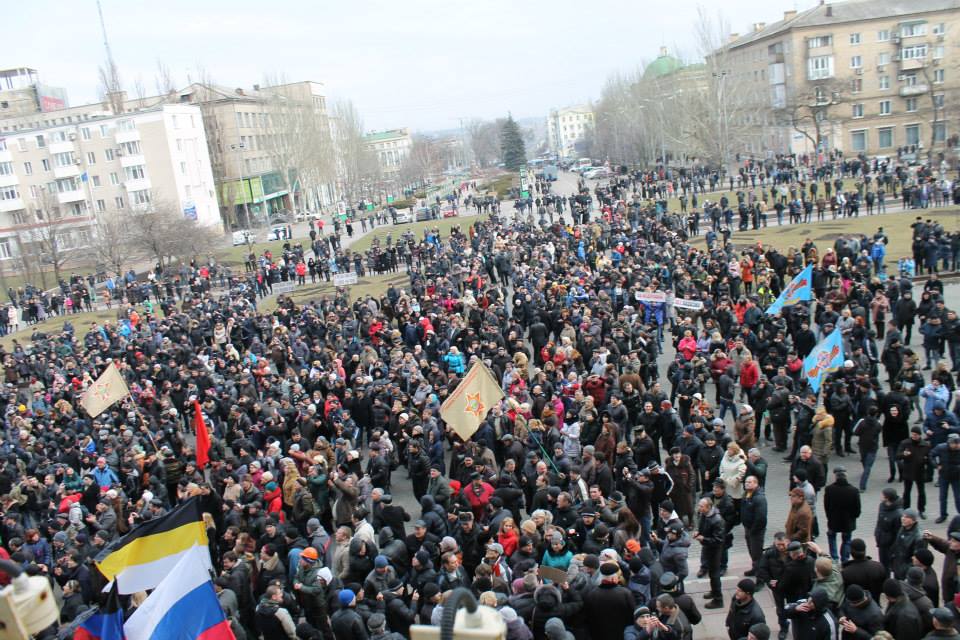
pixel 135 173
pixel 939 131
pixel 5 248
pixel 118 202
pixel 6 168
pixel 883 35
pixel 937 52
pixel 101 206
pixel 91 157
pixel 183 168
pixel 856 62
pixel 67 184
pixel 858 110
pixel 108 154
pixel 46 164
pixel 911 104
pixel 819 41
pixel 28 168
pixel 239 119
pixel 854 38
pixel 104 131
pixel 858 140
pixel 913 52
pixel 35 191
pixel 938 101
pixel 114 178
pixel 131 148
pixel 140 197
pixel 64 159
pixel 885 108
pixel 9 193
pixel 856 85
pixel 819 67
pixel 18 217
pixel 883 58
pixel 909 79
pixel 96 180
pixel 912 132
pixel 885 137
pixel 913 29
pixel 85 133
pixel 22 144
pixel 938 75
pixel 939 29
pixel 41 141
pixel 3 143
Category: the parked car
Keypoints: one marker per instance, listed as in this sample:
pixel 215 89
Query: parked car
pixel 404 216
pixel 448 211
pixel 597 173
pixel 424 214
pixel 242 237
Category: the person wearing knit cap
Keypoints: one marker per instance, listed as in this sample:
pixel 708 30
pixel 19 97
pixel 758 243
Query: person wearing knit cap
pixel 759 631
pixel 909 539
pixel 345 621
pixel 744 611
pixel 609 606
pixel 554 630
pixel 901 619
pixel 860 614
pixel 913 588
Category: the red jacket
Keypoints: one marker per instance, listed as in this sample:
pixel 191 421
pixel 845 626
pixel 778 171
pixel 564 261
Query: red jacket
pixel 749 374
pixel 478 502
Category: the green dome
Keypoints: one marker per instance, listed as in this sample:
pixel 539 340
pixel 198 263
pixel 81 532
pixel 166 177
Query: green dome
pixel 664 65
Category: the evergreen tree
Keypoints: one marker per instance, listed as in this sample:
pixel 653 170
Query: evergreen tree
pixel 512 150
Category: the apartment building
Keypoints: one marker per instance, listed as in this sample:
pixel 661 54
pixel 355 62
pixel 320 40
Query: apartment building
pixel 566 127
pixel 71 171
pixel 22 93
pixel 391 148
pixel 872 77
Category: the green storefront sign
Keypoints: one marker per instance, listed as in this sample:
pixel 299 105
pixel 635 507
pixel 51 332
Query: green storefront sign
pixel 250 191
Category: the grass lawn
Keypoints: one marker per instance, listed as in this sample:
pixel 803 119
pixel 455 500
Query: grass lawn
pixel 895 225
pixel 81 322
pixel 369 285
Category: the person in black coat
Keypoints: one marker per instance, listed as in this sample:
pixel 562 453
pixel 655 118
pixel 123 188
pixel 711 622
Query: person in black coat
pixel 609 607
pixel 867 431
pixel 812 618
pixel 863 571
pixel 901 619
pixel 399 615
pixel 913 458
pixel 841 502
pixel 346 622
pixel 711 533
pixel 860 615
pixel 551 602
pixel 744 610
pixel 895 407
pixel 888 525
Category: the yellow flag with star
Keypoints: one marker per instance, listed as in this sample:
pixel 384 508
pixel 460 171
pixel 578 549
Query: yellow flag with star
pixel 467 406
pixel 109 388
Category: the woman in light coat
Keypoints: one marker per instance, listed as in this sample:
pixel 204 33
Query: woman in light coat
pixel 733 469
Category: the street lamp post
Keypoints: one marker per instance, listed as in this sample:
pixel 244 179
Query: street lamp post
pixel 240 146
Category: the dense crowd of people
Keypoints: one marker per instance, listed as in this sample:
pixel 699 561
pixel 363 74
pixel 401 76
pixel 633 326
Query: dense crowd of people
pixel 579 505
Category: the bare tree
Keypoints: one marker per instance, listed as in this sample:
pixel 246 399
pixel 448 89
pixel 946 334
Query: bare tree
pixel 357 162
pixel 51 234
pixel 484 139
pixel 809 111
pixel 424 160
pixel 111 89
pixel 112 242
pixel 162 232
pixel 164 80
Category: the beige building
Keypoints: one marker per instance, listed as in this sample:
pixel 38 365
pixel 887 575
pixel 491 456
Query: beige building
pixel 391 146
pixel 873 77
pixel 22 93
pixel 566 127
pixel 98 162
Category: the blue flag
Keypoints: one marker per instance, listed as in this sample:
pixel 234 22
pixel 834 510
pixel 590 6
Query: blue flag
pixel 799 289
pixel 825 358
pixel 100 623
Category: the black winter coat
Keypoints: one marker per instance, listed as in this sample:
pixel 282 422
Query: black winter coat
pixel 609 608
pixel 888 523
pixel 867 572
pixel 841 501
pixel 741 617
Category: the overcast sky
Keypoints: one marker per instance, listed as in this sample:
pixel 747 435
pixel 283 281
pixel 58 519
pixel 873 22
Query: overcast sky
pixel 418 63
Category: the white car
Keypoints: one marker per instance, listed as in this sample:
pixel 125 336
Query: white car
pixel 241 237
pixel 596 174
pixel 404 216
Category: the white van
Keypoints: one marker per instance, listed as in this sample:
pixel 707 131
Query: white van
pixel 241 237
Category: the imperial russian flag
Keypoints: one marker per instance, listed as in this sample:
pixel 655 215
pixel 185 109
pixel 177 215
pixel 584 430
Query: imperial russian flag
pixel 141 559
pixel 184 605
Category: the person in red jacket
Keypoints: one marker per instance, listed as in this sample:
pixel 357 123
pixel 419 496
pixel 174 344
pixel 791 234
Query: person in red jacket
pixel 749 376
pixel 478 494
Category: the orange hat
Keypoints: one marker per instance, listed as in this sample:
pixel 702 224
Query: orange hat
pixel 633 546
pixel 309 554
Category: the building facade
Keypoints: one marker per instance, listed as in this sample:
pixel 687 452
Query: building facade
pixel 872 77
pixel 69 172
pixel 391 147
pixel 566 127
pixel 22 93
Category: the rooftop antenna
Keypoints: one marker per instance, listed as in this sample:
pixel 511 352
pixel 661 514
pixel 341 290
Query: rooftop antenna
pixel 111 77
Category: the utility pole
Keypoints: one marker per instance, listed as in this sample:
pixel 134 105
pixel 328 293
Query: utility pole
pixel 112 77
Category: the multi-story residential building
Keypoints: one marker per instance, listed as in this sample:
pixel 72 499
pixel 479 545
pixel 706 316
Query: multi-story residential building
pixel 863 76
pixel 391 146
pixel 71 171
pixel 566 127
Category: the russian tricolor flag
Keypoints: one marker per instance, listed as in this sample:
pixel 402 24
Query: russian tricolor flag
pixel 184 606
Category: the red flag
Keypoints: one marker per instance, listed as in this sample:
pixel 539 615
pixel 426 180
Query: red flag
pixel 203 437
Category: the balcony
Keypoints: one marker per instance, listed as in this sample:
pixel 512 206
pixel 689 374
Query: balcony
pixel 9 181
pixel 914 90
pixel 132 161
pixel 137 185
pixel 61 147
pixel 6 156
pixel 69 171
pixel 131 135
pixel 15 204
pixel 66 197
pixel 911 64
